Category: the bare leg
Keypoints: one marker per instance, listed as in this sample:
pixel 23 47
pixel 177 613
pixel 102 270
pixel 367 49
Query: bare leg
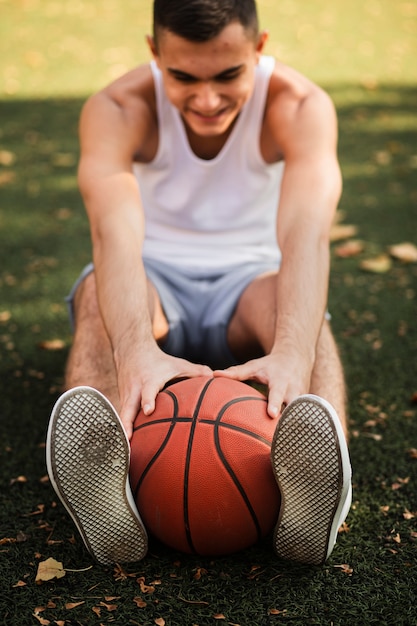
pixel 328 379
pixel 91 358
pixel 251 333
pixel 82 419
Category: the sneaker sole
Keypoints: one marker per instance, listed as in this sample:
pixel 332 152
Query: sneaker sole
pixel 87 456
pixel 311 464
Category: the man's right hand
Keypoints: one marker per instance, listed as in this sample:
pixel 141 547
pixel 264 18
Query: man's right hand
pixel 139 386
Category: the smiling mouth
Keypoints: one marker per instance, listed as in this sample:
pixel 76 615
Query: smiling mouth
pixel 209 116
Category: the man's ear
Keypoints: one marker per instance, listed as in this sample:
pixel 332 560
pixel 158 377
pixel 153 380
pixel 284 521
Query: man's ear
pixel 262 39
pixel 152 46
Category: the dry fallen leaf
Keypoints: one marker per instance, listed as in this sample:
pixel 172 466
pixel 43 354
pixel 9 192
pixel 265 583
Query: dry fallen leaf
pixel 121 574
pixel 339 216
pixel 19 479
pixel 200 571
pixel 342 231
pixel 350 248
pixel 143 587
pixel 400 483
pixel 372 409
pixel 6 540
pixel 345 568
pixel 7 158
pixel 382 157
pixel 344 528
pixel 406 252
pixel 377 265
pixel 7 177
pixel 109 607
pixel 39 510
pixel 48 570
pixel 374 436
pixel 42 620
pixel 5 316
pixel 72 605
pixel 52 345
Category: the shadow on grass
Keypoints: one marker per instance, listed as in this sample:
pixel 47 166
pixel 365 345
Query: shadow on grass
pixel 45 242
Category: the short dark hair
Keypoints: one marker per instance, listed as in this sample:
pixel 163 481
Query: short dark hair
pixel 202 20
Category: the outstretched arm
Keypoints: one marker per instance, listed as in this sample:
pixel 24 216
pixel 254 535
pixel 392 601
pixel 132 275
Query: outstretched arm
pixel 310 192
pixel 111 133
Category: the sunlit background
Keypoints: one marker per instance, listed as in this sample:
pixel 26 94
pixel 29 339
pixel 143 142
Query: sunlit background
pixel 85 43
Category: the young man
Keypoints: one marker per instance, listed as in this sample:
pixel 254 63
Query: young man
pixel 210 179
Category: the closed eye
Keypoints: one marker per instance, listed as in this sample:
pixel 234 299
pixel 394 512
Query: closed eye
pixel 227 76
pixel 182 76
pixel 223 77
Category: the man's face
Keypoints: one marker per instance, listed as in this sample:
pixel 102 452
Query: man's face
pixel 209 82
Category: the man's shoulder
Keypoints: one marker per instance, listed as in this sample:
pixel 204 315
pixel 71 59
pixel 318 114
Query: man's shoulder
pixel 296 108
pixel 292 96
pixel 288 86
pixel 130 95
pixel 123 112
pixel 134 88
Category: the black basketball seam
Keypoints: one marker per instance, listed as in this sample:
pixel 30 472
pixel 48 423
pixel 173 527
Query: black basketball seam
pixel 239 429
pixel 163 420
pixel 187 464
pixel 228 466
pixel 161 447
pixel 184 420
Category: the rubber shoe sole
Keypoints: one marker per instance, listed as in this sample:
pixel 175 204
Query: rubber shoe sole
pixel 87 456
pixel 311 464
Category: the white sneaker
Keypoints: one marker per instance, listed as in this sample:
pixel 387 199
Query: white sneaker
pixel 311 464
pixel 87 456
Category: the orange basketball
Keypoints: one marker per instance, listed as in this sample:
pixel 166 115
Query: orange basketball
pixel 200 467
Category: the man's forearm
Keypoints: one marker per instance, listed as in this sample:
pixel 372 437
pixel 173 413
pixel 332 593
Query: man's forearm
pixel 302 288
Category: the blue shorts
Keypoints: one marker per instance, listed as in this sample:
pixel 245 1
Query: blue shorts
pixel 198 307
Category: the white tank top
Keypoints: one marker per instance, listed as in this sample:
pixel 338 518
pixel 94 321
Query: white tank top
pixel 211 214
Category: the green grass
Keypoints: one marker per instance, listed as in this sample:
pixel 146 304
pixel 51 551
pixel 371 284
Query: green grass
pixel 53 54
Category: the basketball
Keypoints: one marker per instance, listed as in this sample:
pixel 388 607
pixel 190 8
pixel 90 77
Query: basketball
pixel 201 472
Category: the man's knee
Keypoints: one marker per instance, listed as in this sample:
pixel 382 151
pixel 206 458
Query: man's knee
pixel 252 326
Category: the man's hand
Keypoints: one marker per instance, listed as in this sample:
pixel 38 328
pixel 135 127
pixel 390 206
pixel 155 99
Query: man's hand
pixel 286 377
pixel 139 385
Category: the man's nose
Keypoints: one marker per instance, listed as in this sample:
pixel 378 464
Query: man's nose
pixel 207 98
